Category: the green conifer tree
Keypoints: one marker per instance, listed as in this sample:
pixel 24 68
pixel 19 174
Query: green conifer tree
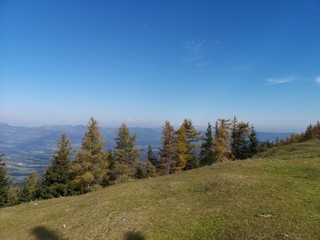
pixel 207 154
pixel 316 131
pixel 151 163
pixel 4 183
pixel 31 188
pixel 254 145
pixel 140 172
pixel 57 178
pixel 308 133
pixel 193 138
pixel 126 154
pixel 14 196
pixel 239 140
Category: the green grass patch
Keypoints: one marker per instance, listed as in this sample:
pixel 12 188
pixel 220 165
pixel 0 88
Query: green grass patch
pixel 274 196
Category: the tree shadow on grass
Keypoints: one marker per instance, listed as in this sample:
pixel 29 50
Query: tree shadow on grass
pixel 44 233
pixel 134 236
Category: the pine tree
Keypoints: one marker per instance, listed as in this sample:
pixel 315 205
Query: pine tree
pixel 167 152
pixel 254 145
pixel 126 154
pixel 221 140
pixel 31 187
pixel 207 154
pixel 151 163
pixel 193 138
pixel 4 183
pixel 91 162
pixel 234 125
pixel 266 145
pixel 308 133
pixel 316 131
pixel 151 156
pixel 140 172
pixel 57 178
pixel 312 132
pixel 239 140
pixel 14 195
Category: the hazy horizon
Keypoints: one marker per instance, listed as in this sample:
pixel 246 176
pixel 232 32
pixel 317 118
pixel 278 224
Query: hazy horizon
pixel 154 126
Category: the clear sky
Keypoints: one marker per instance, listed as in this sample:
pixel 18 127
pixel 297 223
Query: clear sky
pixel 143 62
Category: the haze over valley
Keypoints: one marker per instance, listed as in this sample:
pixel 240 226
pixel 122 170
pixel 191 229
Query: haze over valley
pixel 30 148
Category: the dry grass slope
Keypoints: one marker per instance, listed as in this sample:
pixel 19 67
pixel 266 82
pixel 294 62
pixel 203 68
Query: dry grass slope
pixel 274 196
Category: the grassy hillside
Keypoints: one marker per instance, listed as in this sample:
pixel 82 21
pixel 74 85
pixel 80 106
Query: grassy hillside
pixel 275 196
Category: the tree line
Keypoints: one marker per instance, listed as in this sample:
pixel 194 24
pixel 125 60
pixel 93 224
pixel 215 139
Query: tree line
pixel 92 167
pixel 312 132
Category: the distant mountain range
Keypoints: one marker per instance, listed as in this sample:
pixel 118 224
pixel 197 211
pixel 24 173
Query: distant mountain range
pixel 30 148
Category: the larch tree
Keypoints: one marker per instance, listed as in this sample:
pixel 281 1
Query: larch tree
pixel 294 138
pixel 91 161
pixel 126 154
pixel 4 182
pixel 181 156
pixel 222 140
pixel 187 138
pixel 167 151
pixel 207 157
pixel 57 178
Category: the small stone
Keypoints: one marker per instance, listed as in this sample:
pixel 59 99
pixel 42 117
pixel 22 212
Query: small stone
pixel 64 226
pixel 266 215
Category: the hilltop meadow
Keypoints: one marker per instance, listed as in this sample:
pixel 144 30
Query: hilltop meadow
pixel 274 195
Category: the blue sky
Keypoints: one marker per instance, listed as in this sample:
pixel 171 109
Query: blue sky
pixel 144 62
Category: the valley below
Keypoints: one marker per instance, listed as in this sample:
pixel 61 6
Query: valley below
pixel 29 149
